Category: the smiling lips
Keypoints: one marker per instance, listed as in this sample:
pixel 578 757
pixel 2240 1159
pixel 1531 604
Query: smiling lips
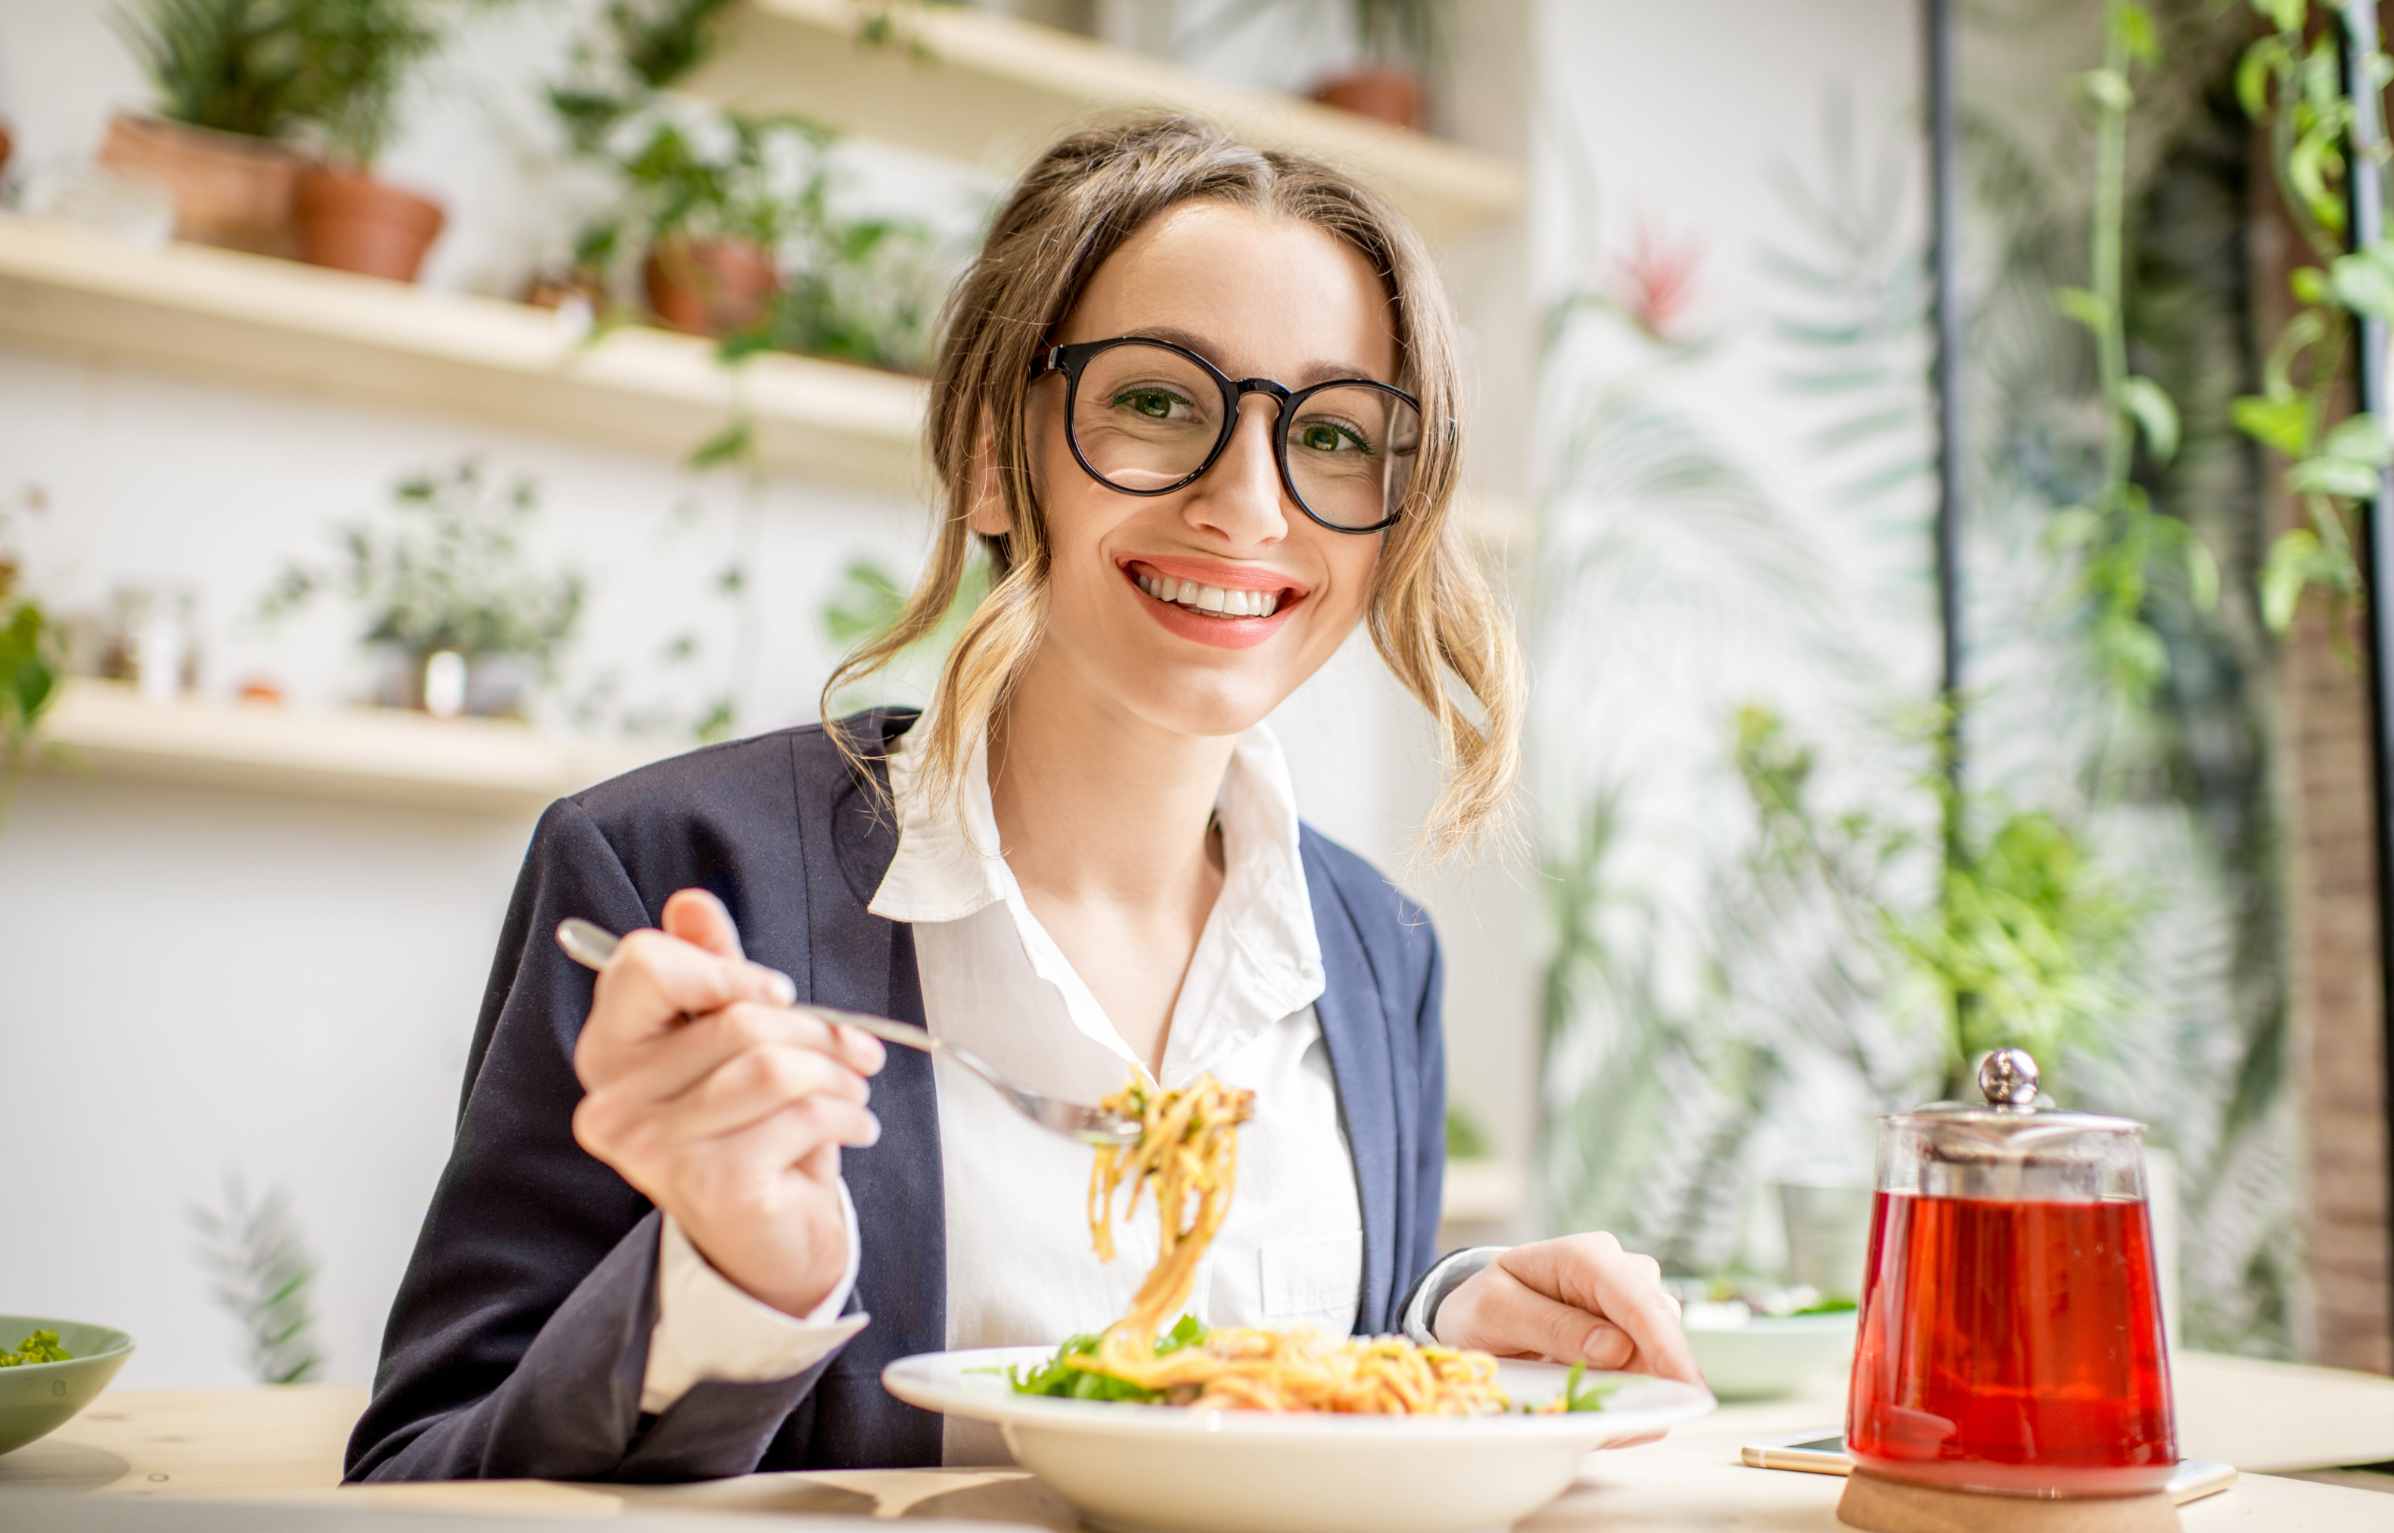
pixel 1218 604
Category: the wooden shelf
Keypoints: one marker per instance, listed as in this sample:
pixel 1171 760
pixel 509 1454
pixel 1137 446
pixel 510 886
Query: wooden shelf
pixel 976 85
pixel 217 315
pixel 220 316
pixel 1484 1192
pixel 380 755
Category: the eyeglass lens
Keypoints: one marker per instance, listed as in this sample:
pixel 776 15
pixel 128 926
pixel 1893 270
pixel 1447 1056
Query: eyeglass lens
pixel 1146 417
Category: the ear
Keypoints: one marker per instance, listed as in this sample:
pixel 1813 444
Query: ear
pixel 988 515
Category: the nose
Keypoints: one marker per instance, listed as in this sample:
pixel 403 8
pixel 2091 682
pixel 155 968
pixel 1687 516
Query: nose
pixel 1240 499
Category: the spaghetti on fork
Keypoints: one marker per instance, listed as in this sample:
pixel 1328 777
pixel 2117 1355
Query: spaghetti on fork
pixel 1187 1150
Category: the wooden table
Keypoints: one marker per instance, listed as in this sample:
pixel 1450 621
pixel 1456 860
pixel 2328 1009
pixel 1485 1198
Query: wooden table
pixel 285 1444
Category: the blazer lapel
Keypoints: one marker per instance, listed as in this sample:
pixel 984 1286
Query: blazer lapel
pixel 1363 1073
pixel 860 962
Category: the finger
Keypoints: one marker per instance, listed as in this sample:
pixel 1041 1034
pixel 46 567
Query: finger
pixel 1516 1320
pixel 700 919
pixel 753 1086
pixel 803 1135
pixel 651 983
pixel 1591 1272
pixel 667 1066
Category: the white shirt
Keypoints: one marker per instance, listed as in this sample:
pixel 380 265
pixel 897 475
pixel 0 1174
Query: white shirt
pixel 1020 1270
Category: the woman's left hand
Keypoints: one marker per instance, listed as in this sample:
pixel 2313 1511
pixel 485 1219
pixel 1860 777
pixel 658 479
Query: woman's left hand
pixel 1577 1299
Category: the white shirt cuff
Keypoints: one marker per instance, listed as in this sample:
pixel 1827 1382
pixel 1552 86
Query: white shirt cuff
pixel 1440 1281
pixel 709 1328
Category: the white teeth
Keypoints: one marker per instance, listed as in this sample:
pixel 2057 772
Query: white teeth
pixel 1204 598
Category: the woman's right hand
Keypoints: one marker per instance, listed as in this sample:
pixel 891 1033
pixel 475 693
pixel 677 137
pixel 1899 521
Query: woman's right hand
pixel 731 1121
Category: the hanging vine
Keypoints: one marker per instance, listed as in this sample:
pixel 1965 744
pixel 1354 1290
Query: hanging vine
pixel 2121 539
pixel 2291 81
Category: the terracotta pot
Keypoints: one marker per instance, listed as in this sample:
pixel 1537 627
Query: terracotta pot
pixel 714 287
pixel 554 289
pixel 1388 95
pixel 350 221
pixel 228 189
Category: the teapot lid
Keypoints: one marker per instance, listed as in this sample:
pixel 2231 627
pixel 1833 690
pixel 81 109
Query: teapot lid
pixel 2013 1112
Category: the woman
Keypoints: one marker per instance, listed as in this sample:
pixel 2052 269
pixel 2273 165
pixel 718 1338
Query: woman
pixel 657 1244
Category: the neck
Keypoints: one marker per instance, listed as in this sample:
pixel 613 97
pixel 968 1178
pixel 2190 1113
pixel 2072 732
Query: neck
pixel 1095 803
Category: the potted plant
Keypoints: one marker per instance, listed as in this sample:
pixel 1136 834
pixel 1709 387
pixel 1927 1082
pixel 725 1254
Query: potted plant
pixel 449 594
pixel 229 86
pixel 727 217
pixel 357 56
pixel 714 227
pixel 1400 40
pixel 29 660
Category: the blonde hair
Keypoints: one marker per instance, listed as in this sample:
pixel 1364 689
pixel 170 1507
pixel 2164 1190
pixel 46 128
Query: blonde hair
pixel 1433 614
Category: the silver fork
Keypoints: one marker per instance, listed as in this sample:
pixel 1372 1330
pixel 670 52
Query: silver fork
pixel 591 945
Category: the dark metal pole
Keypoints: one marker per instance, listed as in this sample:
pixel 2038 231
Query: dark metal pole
pixel 2377 548
pixel 1945 319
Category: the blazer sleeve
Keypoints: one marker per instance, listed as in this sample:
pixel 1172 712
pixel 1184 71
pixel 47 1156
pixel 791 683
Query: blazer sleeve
pixel 518 1341
pixel 1429 1150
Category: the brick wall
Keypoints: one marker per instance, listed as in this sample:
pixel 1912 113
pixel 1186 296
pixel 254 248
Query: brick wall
pixel 2324 767
pixel 2339 1033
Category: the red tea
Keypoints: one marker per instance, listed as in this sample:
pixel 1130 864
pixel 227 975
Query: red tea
pixel 2012 1347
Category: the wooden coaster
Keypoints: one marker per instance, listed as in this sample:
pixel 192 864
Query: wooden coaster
pixel 1891 1506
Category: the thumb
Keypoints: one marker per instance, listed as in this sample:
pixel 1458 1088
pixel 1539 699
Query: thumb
pixel 699 919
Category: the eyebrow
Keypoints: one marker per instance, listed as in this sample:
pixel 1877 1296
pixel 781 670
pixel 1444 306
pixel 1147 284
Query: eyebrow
pixel 1308 375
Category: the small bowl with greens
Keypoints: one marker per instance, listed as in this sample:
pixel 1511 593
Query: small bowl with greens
pixel 49 1370
pixel 1755 1340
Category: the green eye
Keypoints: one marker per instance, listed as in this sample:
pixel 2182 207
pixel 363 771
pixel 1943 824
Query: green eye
pixel 1156 404
pixel 1323 437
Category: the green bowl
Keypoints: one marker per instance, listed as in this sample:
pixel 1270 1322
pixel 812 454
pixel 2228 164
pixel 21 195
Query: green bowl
pixel 37 1399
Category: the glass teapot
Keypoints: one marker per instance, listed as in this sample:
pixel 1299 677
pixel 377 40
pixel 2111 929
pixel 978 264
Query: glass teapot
pixel 2011 1336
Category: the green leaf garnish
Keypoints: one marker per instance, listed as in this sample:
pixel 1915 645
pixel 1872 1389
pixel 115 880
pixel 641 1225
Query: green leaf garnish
pixel 40 1347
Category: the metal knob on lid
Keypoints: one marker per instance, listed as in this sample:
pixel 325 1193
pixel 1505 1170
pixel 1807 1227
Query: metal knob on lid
pixel 2008 1078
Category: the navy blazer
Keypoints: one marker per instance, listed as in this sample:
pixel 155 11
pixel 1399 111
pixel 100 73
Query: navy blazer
pixel 519 1337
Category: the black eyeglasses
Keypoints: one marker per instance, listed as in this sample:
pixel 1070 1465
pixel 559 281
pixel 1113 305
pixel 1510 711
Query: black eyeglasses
pixel 1146 417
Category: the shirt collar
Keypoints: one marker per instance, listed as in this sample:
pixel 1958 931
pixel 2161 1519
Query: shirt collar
pixel 948 867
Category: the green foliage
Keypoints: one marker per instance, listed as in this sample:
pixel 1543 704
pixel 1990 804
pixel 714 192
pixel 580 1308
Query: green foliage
pixel 331 71
pixel 236 66
pixel 1466 1137
pixel 868 601
pixel 854 289
pixel 263 1274
pixel 28 673
pixel 449 573
pixel 2118 536
pixel 357 56
pixel 29 658
pixel 2292 83
pixel 2019 943
pixel 39 1346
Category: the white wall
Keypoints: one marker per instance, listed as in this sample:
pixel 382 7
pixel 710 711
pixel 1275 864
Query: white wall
pixel 196 981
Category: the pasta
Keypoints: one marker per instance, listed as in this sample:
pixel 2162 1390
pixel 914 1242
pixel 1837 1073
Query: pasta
pixel 1188 1149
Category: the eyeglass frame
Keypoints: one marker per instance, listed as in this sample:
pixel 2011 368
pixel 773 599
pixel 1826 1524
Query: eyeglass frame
pixel 1073 359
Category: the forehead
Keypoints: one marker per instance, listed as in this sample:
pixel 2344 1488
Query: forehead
pixel 1270 296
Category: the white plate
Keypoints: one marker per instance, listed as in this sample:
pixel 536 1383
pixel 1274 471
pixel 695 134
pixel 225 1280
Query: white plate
pixel 1767 1356
pixel 1153 1468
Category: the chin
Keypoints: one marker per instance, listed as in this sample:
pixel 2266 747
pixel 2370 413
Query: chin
pixel 1203 703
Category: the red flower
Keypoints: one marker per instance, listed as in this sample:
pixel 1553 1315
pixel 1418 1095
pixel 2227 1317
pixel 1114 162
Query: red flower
pixel 1656 282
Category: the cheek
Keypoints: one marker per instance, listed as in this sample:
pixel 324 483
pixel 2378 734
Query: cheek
pixel 1354 564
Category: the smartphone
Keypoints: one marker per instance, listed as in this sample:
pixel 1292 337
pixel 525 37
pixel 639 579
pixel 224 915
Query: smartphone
pixel 1824 1453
